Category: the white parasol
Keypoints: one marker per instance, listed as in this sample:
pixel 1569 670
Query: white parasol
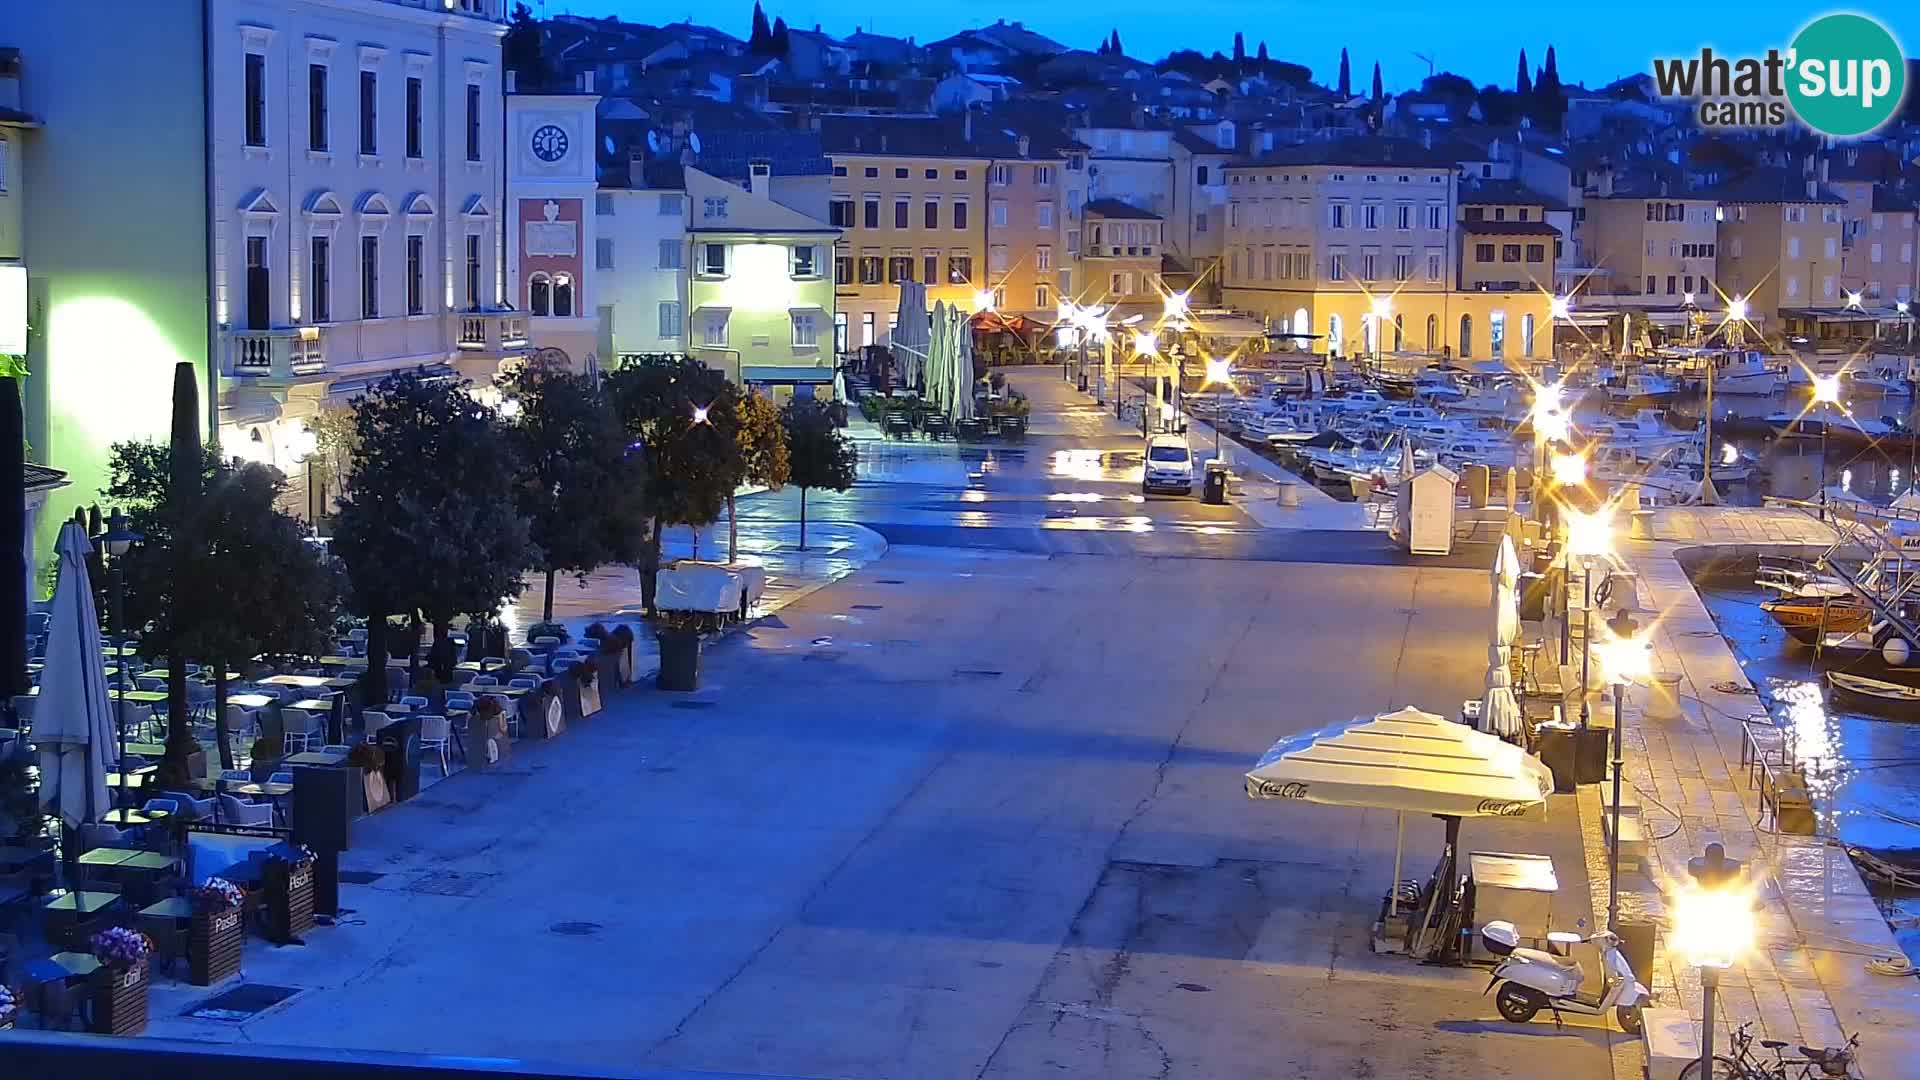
pixel 73 718
pixel 1506 563
pixel 909 339
pixel 1408 762
pixel 935 361
pixel 1500 713
pixel 963 373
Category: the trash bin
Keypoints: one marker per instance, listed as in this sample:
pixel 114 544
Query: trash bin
pixel 1478 480
pixel 1214 487
pixel 1289 494
pixel 1636 944
pixel 1590 756
pixel 1559 752
pixel 401 742
pixel 679 660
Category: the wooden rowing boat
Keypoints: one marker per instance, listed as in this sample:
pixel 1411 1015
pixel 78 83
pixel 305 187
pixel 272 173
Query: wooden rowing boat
pixel 1806 618
pixel 1874 695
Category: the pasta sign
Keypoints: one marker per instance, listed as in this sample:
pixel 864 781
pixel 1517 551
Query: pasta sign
pixel 13 310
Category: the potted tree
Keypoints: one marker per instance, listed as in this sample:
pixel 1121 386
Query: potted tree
pixel 587 674
pixel 371 760
pixel 9 1008
pixel 623 666
pixel 120 985
pixel 214 937
pixel 288 878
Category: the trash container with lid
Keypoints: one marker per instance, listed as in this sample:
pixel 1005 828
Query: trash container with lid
pixel 679 660
pixel 1590 755
pixel 1558 746
pixel 1214 488
pixel 400 740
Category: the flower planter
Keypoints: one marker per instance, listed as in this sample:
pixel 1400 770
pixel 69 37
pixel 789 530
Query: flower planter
pixel 374 783
pixel 289 906
pixel 488 746
pixel 213 945
pixel 120 1000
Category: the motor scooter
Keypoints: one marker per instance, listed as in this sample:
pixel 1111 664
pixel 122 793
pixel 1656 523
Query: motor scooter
pixel 1531 979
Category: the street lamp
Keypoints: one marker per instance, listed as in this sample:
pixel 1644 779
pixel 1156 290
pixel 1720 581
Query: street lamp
pixel 1713 926
pixel 1146 348
pixel 1219 373
pixel 1625 657
pixel 1381 310
pixel 983 300
pixel 114 543
pixel 1826 391
pixel 1589 537
pixel 1550 424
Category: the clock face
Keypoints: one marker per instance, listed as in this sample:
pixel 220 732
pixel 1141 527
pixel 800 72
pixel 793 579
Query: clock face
pixel 549 143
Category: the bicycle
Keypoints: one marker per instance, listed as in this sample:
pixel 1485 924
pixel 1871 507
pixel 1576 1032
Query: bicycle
pixel 1745 1065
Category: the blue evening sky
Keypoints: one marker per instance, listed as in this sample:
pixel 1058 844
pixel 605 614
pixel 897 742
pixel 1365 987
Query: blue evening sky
pixel 1481 40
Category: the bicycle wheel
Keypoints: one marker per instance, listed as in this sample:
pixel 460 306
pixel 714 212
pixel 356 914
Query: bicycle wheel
pixel 1723 1069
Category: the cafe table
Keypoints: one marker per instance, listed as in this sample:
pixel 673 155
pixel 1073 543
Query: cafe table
pixel 313 704
pixel 83 902
pixel 64 965
pixel 123 817
pixel 137 780
pixel 299 682
pixel 145 749
pixel 338 661
pixel 178 908
pixel 251 701
pixel 106 856
pixel 503 690
pixel 316 757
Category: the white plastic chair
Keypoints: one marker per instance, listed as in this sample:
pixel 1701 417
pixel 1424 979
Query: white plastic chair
pixel 433 738
pixel 486 680
pixel 236 812
pixel 416 702
pixel 374 722
pixel 524 682
pixel 299 729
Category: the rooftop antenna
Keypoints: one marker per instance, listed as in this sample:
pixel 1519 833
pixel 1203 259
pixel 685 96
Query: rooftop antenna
pixel 1428 59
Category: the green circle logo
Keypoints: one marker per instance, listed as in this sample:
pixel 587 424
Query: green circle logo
pixel 1845 75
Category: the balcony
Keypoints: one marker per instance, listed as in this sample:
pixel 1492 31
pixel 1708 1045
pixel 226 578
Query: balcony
pixel 492 331
pixel 285 352
pixel 1120 251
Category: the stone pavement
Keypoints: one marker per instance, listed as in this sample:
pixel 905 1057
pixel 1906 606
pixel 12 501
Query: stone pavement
pixel 1806 980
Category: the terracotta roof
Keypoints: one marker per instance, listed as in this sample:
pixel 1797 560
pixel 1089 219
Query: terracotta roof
pixel 1114 208
pixel 1505 193
pixel 1358 151
pixel 1771 186
pixel 1508 228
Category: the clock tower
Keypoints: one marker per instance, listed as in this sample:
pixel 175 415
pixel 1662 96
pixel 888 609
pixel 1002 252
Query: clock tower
pixel 553 247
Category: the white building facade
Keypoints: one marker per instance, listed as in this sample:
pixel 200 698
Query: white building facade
pixel 555 253
pixel 647 285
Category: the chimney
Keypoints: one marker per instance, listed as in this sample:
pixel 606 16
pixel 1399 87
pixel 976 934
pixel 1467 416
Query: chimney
pixel 1813 188
pixel 637 170
pixel 1825 164
pixel 1426 138
pixel 966 126
pixel 1606 181
pixel 760 179
pixel 513 82
pixel 1024 144
pixel 883 142
pixel 586 82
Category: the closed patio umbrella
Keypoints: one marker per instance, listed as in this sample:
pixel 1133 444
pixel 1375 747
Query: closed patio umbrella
pixel 73 718
pixel 963 374
pixel 1500 713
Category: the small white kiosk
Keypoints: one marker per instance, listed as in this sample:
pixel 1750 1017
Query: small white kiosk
pixel 1423 517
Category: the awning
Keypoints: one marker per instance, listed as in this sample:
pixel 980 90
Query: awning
pixel 244 406
pixel 785 373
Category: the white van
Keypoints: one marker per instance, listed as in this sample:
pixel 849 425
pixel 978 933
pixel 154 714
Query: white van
pixel 1169 465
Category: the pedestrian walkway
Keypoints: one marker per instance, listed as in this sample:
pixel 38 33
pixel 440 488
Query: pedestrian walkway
pixel 1806 979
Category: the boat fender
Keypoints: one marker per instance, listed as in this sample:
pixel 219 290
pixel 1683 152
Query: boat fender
pixel 1896 651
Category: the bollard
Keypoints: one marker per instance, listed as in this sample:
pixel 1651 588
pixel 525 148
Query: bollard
pixel 1289 494
pixel 1663 696
pixel 1478 480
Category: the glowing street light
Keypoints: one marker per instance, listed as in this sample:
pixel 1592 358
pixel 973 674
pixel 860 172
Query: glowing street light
pixel 1686 299
pixel 1624 660
pixel 1826 391
pixel 1560 307
pixel 700 414
pixel 1737 309
pixel 1590 536
pixel 1145 345
pixel 1175 306
pixel 1569 470
pixel 1219 374
pixel 983 300
pixel 1853 300
pixel 1713 927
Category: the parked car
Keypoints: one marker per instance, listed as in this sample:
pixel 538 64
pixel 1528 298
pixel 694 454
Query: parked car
pixel 1169 465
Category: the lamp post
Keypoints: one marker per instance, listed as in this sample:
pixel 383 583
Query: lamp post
pixel 1145 347
pixel 115 542
pixel 1826 392
pixel 1588 539
pixel 1380 310
pixel 1550 424
pixel 1568 470
pixel 1626 662
pixel 1713 924
pixel 1219 373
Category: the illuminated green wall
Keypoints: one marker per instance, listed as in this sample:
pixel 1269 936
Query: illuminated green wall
pixel 115 226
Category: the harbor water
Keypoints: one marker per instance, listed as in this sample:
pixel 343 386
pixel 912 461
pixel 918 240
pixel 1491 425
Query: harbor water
pixel 1865 768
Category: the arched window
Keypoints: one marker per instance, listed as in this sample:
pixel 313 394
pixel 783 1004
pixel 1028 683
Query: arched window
pixel 562 295
pixel 1334 340
pixel 1526 335
pixel 1399 332
pixel 1466 336
pixel 1433 333
pixel 1370 334
pixel 1301 324
pixel 539 294
pixel 1497 335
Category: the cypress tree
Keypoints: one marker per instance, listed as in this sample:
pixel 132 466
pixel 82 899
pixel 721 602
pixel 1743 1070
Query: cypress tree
pixel 1239 48
pixel 1379 91
pixel 1522 82
pixel 1345 88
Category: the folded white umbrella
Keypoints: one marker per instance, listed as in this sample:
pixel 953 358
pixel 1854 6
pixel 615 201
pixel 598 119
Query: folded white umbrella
pixel 1506 563
pixel 1500 713
pixel 1505 616
pixel 73 717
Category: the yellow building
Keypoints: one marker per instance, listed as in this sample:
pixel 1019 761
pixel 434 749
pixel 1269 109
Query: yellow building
pixel 1354 244
pixel 1779 242
pixel 909 196
pixel 1651 240
pixel 760 296
pixel 1120 255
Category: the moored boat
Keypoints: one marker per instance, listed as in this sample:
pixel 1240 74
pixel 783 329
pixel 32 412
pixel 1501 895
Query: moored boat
pixel 1874 695
pixel 1807 618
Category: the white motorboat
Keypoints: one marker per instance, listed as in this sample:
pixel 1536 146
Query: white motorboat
pixel 1504 400
pixel 1354 401
pixel 1645 430
pixel 1437 385
pixel 1745 371
pixel 1643 387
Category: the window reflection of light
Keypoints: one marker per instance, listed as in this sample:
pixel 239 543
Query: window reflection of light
pixel 1846 480
pixel 973 495
pixel 971 519
pixel 1081 464
pixel 1074 496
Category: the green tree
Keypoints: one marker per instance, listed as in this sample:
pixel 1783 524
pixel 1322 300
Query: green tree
pixel 522 51
pixel 1523 82
pixel 1345 89
pixel 185 482
pixel 763 455
pixel 780 40
pixel 1239 49
pixel 683 415
pixel 582 490
pixel 761 35
pixel 1379 90
pixel 821 454
pixel 333 446
pixel 427 524
pixel 1550 99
